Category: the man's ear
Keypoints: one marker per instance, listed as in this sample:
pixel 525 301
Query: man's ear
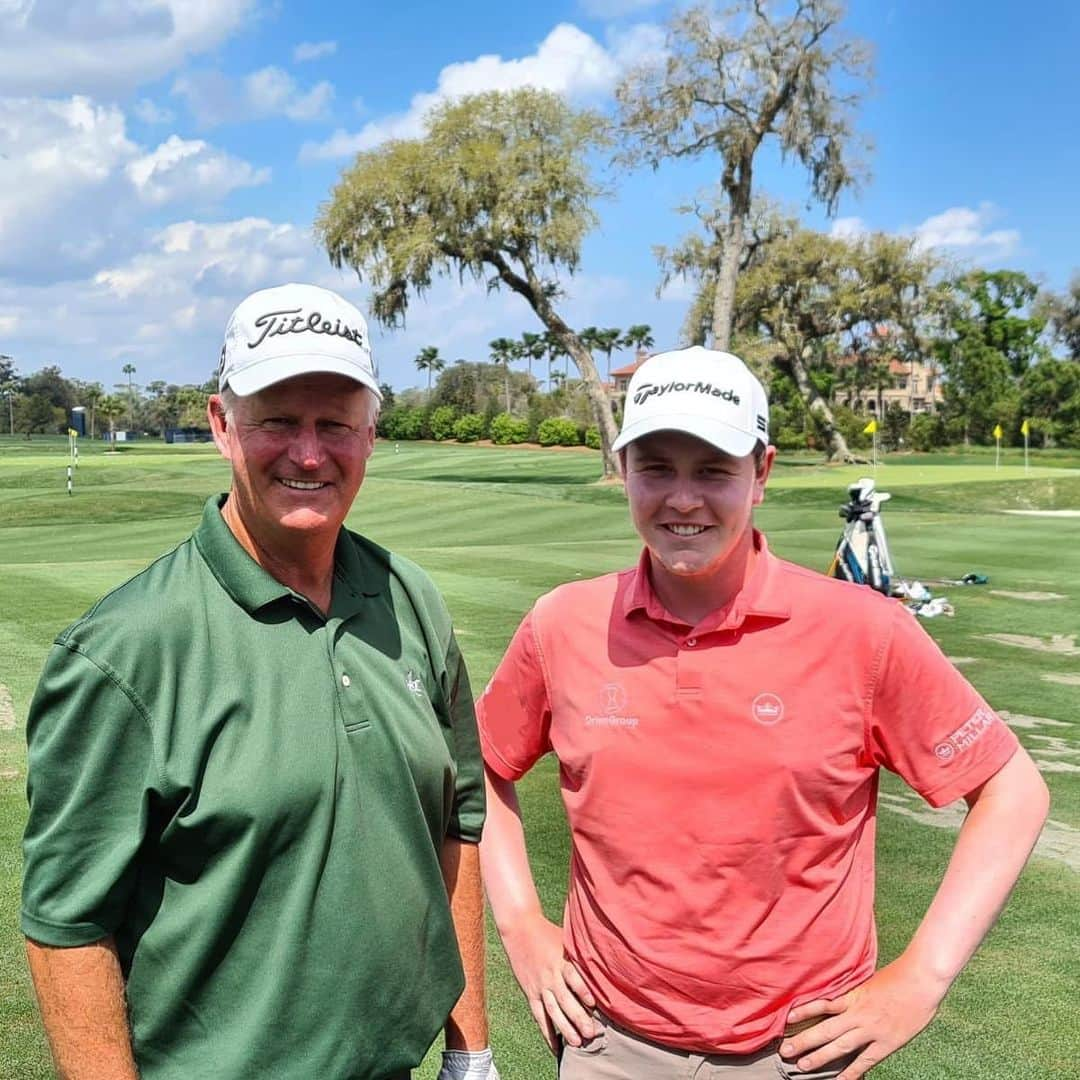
pixel 219 424
pixel 761 474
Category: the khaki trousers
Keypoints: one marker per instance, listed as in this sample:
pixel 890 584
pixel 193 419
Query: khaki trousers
pixel 617 1054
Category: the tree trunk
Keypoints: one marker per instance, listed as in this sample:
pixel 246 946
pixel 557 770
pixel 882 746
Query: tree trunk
pixel 531 288
pixel 816 404
pixel 598 398
pixel 730 257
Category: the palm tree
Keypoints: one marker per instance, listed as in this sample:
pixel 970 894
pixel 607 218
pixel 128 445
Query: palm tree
pixel 638 336
pixel 93 393
pixel 607 340
pixel 503 350
pixel 111 408
pixel 428 360
pixel 532 347
pixel 553 350
pixel 129 370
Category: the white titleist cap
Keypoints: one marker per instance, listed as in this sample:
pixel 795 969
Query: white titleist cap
pixel 711 395
pixel 290 330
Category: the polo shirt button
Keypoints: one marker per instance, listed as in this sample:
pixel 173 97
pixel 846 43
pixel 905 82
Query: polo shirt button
pixel 691 642
pixel 346 681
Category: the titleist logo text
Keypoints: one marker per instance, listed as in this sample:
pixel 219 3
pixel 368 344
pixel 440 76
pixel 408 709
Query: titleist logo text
pixel 647 390
pixel 292 321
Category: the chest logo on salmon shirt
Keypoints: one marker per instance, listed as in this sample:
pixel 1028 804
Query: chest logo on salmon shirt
pixel 767 709
pixel 612 704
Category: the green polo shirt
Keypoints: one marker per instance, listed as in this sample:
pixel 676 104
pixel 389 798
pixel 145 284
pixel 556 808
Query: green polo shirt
pixel 251 798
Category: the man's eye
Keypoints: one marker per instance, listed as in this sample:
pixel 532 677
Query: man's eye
pixel 276 423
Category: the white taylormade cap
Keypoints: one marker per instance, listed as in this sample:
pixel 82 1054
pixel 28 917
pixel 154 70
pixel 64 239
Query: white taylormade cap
pixel 711 395
pixel 290 330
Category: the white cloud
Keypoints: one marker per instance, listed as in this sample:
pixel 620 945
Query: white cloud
pixel 848 228
pixel 313 50
pixel 149 112
pixel 272 91
pixel 74 187
pixel 966 231
pixel 615 9
pixel 190 169
pixel 61 184
pixel 642 43
pixel 568 61
pixel 96 46
pixel 164 307
pixel 215 98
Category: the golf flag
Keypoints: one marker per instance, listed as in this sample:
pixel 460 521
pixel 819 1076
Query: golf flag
pixel 871 428
pixel 997 445
pixel 997 431
pixel 1025 429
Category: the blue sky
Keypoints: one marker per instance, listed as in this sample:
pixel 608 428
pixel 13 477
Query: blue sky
pixel 159 159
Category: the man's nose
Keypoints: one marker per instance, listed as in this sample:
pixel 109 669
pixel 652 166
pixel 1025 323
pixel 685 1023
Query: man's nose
pixel 684 495
pixel 306 448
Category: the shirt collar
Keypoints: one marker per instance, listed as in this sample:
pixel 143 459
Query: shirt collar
pixel 761 596
pixel 253 588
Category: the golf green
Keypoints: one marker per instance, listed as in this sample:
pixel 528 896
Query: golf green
pixel 496 527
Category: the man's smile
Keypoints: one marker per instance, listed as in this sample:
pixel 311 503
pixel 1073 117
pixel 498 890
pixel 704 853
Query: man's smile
pixel 686 530
pixel 304 485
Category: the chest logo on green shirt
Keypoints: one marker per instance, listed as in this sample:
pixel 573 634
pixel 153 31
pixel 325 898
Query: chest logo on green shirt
pixel 414 683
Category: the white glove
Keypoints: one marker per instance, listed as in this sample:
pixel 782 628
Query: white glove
pixel 468 1065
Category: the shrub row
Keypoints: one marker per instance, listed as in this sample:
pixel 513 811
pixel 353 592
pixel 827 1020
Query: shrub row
pixel 404 422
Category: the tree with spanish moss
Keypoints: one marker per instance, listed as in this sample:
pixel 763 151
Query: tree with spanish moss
pixel 807 299
pixel 498 188
pixel 1062 313
pixel 731 81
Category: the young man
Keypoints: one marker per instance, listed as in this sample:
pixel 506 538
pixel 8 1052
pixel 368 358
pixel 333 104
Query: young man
pixel 719 717
pixel 255 785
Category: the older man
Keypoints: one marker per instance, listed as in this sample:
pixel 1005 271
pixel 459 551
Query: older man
pixel 255 788
pixel 720 717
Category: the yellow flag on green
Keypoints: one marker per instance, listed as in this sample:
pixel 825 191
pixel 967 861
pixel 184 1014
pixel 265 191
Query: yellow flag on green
pixel 997 431
pixel 1025 429
pixel 870 428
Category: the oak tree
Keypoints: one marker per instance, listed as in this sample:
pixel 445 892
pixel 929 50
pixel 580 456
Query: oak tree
pixel 499 189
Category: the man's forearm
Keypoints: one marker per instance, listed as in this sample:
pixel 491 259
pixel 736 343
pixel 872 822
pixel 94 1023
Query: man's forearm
pixel 1006 816
pixel 80 992
pixel 508 878
pixel 467 1027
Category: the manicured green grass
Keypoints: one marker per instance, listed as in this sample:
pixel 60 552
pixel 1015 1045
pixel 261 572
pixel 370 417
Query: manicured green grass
pixel 496 527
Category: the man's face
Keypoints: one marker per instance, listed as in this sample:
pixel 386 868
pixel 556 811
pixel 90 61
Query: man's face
pixel 690 503
pixel 298 451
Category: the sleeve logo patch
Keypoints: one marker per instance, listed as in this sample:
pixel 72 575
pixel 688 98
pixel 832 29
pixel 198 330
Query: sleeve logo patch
pixel 966 735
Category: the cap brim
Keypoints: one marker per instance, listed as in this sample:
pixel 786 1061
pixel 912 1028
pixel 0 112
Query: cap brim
pixel 277 369
pixel 729 440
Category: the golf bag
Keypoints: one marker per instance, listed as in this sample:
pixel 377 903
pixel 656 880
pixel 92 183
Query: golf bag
pixel 862 553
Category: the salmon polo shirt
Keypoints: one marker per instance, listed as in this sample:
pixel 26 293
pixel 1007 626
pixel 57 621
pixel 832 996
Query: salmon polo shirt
pixel 720 784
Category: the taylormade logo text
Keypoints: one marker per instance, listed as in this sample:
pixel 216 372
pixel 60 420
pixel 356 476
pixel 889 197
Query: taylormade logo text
pixel 648 390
